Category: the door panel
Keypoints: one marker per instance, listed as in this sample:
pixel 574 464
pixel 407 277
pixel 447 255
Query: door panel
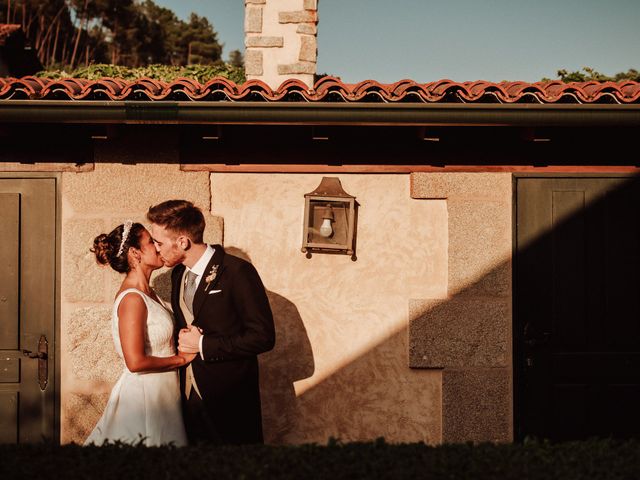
pixel 577 307
pixel 27 308
pixel 10 261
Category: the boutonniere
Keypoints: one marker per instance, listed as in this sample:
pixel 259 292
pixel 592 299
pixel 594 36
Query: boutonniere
pixel 211 277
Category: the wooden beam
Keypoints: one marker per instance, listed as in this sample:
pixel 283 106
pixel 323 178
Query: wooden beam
pixel 302 168
pixel 46 167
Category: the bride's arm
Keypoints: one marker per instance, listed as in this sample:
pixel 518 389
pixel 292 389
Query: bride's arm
pixel 132 319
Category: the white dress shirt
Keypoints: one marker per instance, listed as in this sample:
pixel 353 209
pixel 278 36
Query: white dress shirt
pixel 199 270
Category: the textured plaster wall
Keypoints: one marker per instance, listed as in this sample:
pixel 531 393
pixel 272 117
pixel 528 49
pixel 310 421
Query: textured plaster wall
pixel 410 342
pixel 340 366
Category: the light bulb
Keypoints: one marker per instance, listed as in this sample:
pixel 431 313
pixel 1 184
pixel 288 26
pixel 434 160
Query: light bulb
pixel 325 228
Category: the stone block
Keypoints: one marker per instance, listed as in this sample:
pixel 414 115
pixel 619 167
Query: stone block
pixel 129 190
pixel 480 248
pixel 263 42
pixel 476 405
pixel 214 230
pixel 495 186
pixel 253 62
pixel 90 345
pixel 300 16
pixel 253 19
pixel 456 332
pixel 310 5
pixel 80 413
pixel 307 29
pixel 296 68
pixel 83 280
pixel 308 48
pixel 161 284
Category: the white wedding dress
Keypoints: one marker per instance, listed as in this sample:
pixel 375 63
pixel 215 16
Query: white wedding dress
pixel 144 407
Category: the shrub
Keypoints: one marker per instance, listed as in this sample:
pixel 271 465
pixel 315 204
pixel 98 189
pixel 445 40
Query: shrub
pixel 586 460
pixel 166 73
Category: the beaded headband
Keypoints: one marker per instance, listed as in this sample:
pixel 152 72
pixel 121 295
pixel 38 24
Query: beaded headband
pixel 125 233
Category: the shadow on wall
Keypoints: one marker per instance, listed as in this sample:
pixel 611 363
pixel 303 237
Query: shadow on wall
pixel 460 348
pixel 468 340
pixel 374 395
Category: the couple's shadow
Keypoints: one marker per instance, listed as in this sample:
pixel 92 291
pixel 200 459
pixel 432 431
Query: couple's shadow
pixel 290 360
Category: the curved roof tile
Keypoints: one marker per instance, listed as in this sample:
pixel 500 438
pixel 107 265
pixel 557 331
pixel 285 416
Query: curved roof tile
pixel 7 29
pixel 327 89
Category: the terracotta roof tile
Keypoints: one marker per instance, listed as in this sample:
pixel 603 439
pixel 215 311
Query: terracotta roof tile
pixel 327 89
pixel 6 29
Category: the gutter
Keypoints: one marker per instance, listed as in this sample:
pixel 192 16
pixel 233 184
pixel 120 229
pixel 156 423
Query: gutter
pixel 301 113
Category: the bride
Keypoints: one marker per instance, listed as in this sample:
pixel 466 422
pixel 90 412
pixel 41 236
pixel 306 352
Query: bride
pixel 144 405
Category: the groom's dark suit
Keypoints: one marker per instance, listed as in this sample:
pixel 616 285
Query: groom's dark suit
pixel 234 315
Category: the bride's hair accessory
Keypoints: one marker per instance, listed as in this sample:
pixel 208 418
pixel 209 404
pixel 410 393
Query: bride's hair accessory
pixel 125 233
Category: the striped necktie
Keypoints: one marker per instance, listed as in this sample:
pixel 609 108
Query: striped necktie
pixel 189 290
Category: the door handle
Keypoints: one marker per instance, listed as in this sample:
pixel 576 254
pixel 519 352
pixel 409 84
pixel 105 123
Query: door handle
pixel 30 354
pixel 42 355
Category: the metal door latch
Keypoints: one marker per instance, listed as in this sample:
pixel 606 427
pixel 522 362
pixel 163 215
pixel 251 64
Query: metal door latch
pixel 42 355
pixel 30 354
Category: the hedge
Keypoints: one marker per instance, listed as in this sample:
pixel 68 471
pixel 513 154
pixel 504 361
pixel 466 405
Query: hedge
pixel 166 73
pixel 589 460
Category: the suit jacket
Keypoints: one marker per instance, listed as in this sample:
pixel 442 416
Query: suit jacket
pixel 234 314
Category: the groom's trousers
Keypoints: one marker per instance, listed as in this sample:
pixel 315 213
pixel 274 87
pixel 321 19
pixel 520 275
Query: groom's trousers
pixel 199 426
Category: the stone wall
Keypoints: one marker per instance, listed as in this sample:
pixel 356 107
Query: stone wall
pixel 468 334
pixel 280 40
pixel 410 342
pixel 93 203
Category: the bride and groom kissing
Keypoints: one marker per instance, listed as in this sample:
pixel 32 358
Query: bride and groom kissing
pixel 220 319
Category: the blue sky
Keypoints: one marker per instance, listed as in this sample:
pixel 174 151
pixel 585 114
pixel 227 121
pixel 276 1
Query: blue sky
pixel 424 40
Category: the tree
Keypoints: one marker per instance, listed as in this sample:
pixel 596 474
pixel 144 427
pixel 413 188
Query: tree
pixel 236 58
pixel 133 33
pixel 200 42
pixel 588 74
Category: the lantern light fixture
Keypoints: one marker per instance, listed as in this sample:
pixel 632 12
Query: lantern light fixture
pixel 330 216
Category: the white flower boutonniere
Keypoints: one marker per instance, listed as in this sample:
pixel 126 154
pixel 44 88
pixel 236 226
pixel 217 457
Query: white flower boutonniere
pixel 211 277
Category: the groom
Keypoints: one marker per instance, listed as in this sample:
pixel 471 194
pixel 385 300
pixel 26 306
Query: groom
pixel 223 315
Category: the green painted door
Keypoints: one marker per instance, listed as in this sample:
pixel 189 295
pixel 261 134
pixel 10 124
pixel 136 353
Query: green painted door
pixel 577 307
pixel 27 309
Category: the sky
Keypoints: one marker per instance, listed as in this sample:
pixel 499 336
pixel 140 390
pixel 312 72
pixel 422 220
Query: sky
pixel 460 40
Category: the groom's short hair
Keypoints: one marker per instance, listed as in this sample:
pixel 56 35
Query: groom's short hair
pixel 179 216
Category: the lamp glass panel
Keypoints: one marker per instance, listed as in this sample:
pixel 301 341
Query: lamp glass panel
pixel 339 224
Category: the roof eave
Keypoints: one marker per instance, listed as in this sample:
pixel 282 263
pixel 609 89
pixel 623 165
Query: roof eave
pixel 318 113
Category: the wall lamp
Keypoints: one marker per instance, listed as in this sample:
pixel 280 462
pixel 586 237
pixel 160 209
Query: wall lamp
pixel 330 216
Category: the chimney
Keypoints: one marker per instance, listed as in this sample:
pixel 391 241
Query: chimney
pixel 281 40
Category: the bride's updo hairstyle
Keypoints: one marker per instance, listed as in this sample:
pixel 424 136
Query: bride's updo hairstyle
pixel 111 250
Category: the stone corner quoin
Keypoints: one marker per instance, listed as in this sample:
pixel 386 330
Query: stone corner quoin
pixel 300 16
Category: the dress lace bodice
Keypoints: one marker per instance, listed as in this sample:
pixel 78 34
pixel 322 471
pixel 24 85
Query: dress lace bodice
pixel 159 329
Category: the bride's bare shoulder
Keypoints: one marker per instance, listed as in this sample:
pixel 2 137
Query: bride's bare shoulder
pixel 132 300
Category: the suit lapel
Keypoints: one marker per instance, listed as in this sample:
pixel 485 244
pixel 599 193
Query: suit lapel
pixel 176 279
pixel 203 287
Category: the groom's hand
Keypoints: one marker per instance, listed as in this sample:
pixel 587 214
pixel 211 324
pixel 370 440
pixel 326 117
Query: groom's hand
pixel 189 340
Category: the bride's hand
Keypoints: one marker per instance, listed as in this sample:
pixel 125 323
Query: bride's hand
pixel 187 357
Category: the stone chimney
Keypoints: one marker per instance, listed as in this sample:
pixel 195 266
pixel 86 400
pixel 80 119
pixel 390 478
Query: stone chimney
pixel 281 40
